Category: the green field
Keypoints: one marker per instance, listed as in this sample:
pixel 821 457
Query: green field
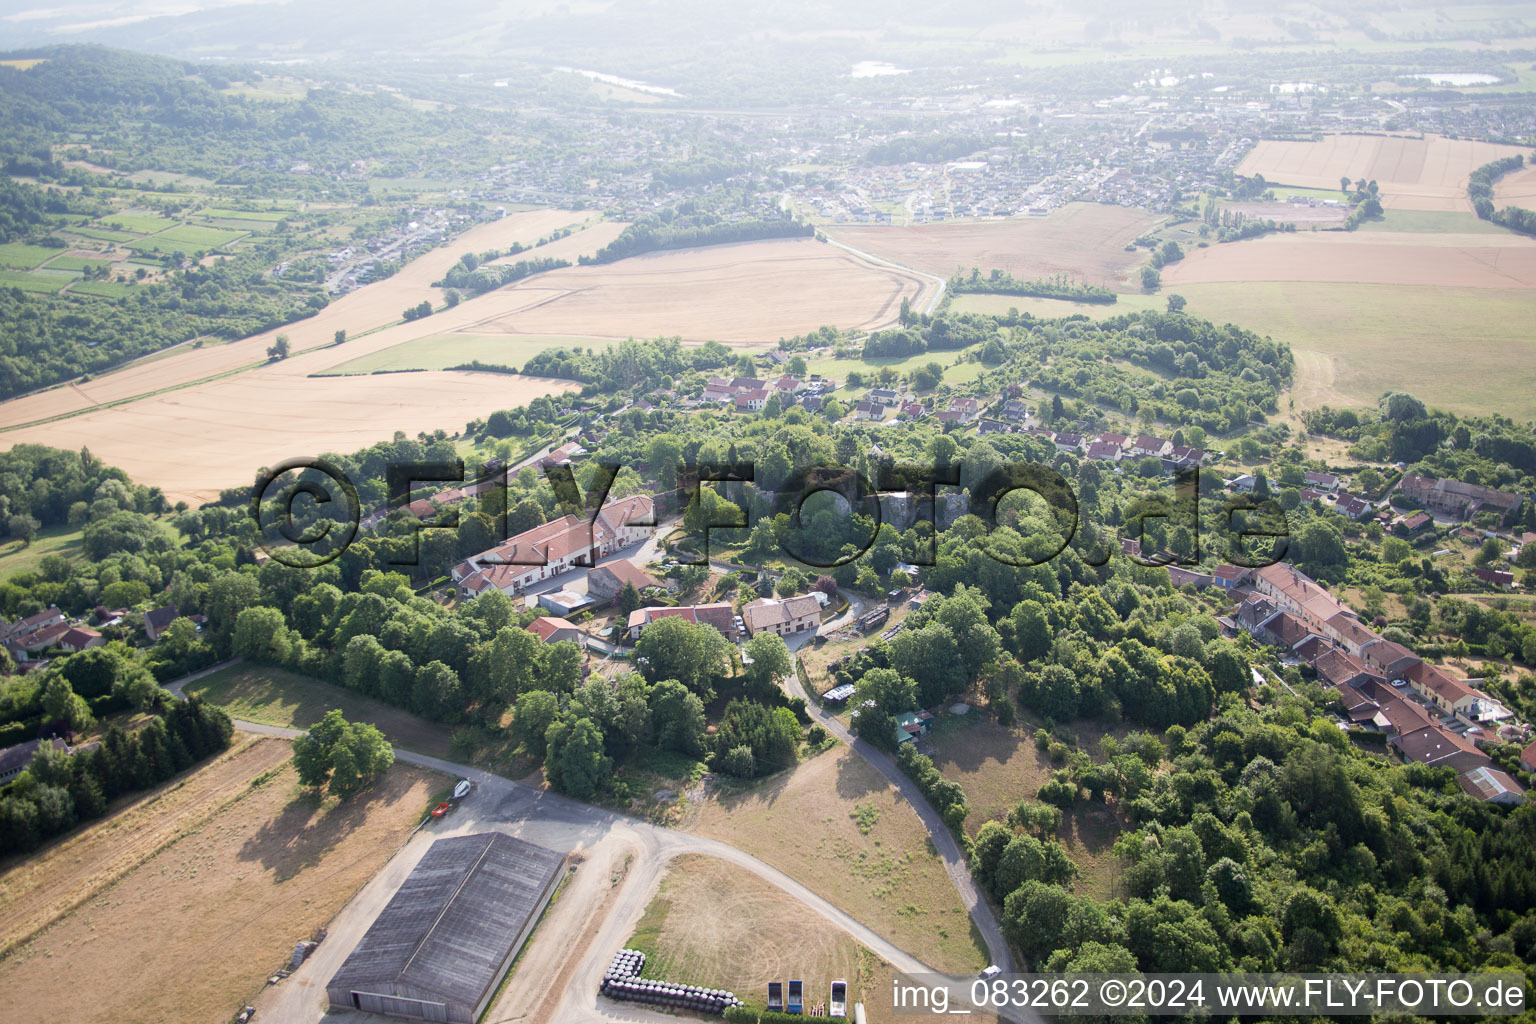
pixel 441 351
pixel 259 215
pixel 20 256
pixel 140 223
pixel 191 236
pixel 1437 222
pixel 52 540
pixel 839 369
pixel 76 263
pixel 271 696
pixel 102 234
pixel 997 305
pixel 1466 350
pixel 103 289
pixel 31 282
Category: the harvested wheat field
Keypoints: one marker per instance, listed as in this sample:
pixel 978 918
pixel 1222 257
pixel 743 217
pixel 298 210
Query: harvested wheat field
pixel 178 908
pixel 688 940
pixel 1085 241
pixel 1428 173
pixel 1517 188
pixel 585 242
pixel 195 441
pixel 361 310
pixel 885 872
pixel 1430 260
pixel 746 292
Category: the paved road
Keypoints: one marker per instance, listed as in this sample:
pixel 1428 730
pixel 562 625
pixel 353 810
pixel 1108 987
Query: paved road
pixel 608 842
pixel 943 840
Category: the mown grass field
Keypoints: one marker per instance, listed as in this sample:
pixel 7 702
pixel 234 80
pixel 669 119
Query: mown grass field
pixel 1466 350
pixel 52 540
pixel 838 369
pixel 271 696
pixel 20 256
pixel 888 876
pixel 688 940
pixel 1432 222
pixel 440 351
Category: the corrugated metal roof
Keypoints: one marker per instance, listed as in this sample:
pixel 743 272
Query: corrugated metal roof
pixel 453 921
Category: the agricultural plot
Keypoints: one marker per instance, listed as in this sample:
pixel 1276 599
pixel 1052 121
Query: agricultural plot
pixel 20 256
pixel 888 877
pixel 256 215
pixel 1428 173
pixel 1462 349
pixel 102 234
pixel 266 415
pixel 188 236
pixel 31 282
pixel 271 696
pixel 77 263
pixel 956 369
pixel 362 310
pixel 1084 241
pixel 440 351
pixel 746 293
pixel 1518 188
pixel 137 221
pixel 230 850
pixel 1424 260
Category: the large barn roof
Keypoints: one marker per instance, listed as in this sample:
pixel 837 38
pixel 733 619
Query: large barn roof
pixel 450 927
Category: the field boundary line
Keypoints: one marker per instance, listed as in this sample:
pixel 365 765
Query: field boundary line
pixel 116 873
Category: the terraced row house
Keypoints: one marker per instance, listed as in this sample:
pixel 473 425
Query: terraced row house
pixel 558 546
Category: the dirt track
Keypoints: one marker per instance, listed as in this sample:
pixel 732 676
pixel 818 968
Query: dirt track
pixel 605 841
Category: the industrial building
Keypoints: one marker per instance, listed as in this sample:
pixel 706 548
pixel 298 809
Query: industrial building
pixel 441 946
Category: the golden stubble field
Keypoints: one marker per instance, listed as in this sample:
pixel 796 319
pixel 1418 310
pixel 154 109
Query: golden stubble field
pixel 1085 241
pixel 741 293
pixel 194 439
pixel 178 907
pixel 1407 258
pixel 1428 173
pixel 366 308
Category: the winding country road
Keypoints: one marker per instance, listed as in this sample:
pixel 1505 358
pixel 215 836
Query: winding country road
pixel 943 840
pixel 559 823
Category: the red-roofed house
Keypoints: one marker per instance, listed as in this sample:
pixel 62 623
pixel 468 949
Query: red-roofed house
pixel 1450 695
pixel 1492 786
pixel 605 581
pixel 1528 758
pixel 80 638
pixel 1435 746
pixel 718 615
pixel 551 630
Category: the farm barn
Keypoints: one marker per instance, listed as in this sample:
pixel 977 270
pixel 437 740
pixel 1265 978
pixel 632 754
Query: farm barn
pixel 442 944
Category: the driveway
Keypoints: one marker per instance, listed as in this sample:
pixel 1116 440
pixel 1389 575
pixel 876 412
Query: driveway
pixel 593 918
pixel 943 840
